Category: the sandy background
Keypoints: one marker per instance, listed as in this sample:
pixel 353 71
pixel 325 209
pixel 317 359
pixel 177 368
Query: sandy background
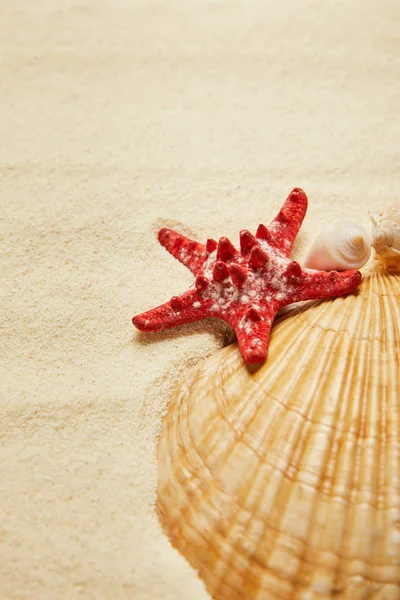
pixel 118 117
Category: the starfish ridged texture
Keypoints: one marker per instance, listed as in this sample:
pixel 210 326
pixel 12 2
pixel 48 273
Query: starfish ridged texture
pixel 246 288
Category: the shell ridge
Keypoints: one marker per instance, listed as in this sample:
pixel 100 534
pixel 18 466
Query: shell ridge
pixel 218 408
pixel 247 516
pixel 392 458
pixel 313 315
pixel 225 563
pixel 275 372
pixel 241 507
pixel 170 435
pixel 394 303
pixel 262 464
pixel 360 545
pixel 384 415
pixel 200 495
pixel 382 490
pixel 331 501
pixel 313 408
pixel 313 548
pixel 195 445
pixel 355 499
pixel 182 444
pixel 318 325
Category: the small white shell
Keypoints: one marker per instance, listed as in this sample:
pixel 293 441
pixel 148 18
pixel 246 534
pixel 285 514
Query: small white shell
pixel 386 234
pixel 340 246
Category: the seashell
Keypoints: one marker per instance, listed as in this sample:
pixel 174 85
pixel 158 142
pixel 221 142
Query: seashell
pixel 340 246
pixel 386 235
pixel 283 483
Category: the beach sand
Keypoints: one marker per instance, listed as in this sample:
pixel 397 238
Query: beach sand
pixel 119 117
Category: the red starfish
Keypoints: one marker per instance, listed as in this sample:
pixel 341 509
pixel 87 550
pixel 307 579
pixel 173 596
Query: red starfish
pixel 247 288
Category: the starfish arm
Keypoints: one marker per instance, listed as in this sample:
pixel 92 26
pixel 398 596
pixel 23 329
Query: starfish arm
pixel 190 253
pixel 189 306
pixel 324 284
pixel 253 330
pixel 285 227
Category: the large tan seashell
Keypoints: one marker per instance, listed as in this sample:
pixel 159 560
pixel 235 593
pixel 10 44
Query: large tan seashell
pixel 284 483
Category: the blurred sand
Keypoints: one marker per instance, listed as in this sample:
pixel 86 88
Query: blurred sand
pixel 118 117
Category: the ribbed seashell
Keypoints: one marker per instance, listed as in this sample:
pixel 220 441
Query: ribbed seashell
pixel 339 246
pixel 283 483
pixel 386 235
